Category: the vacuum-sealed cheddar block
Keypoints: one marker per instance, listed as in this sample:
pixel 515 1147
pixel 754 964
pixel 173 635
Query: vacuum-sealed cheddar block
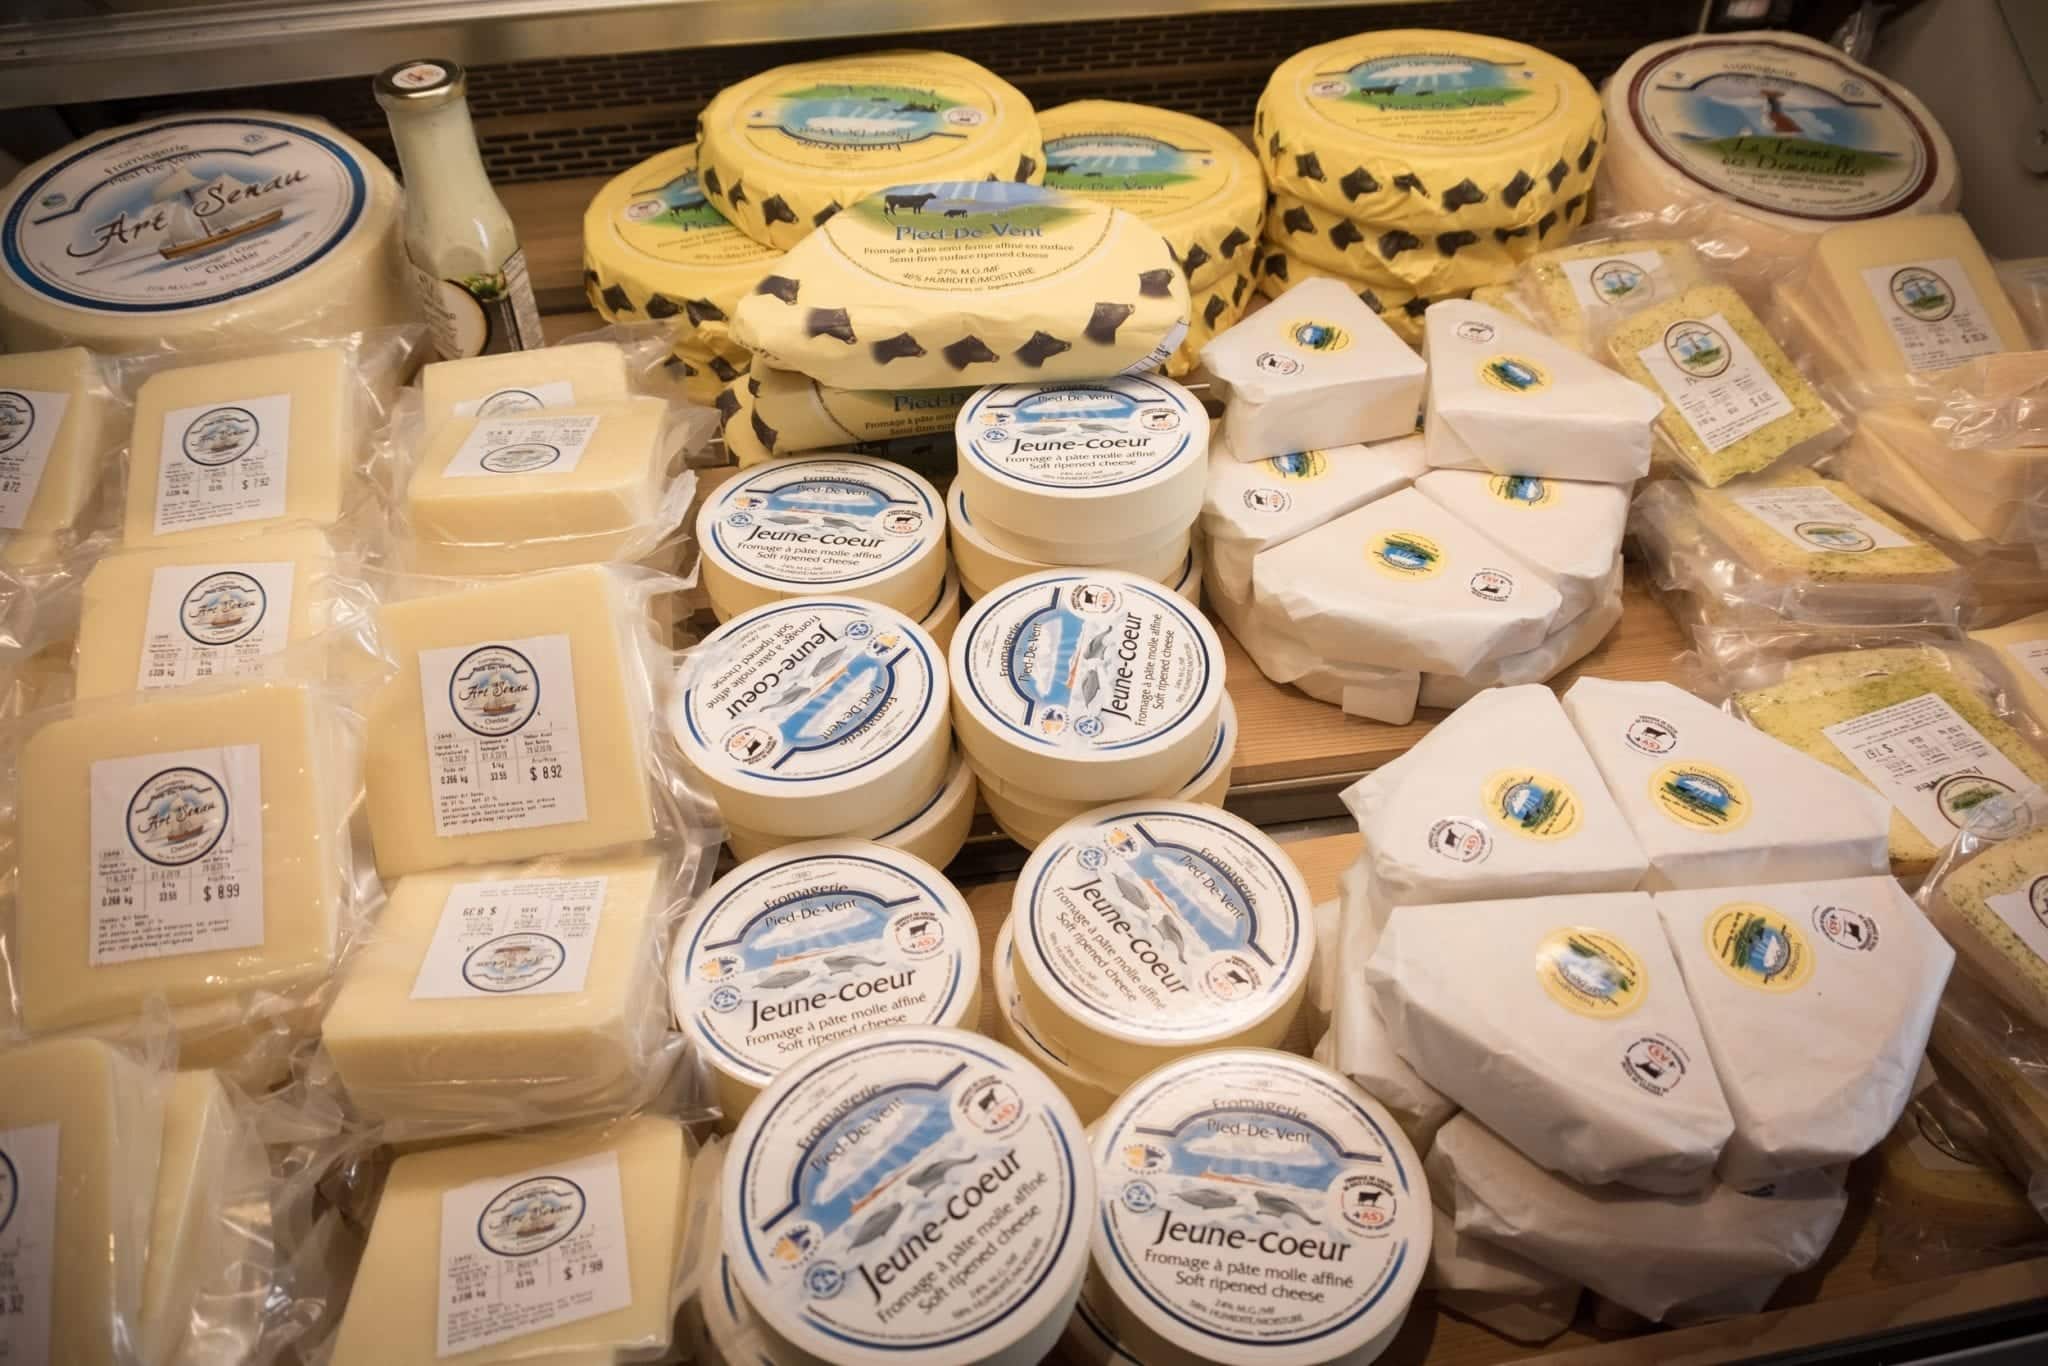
pixel 490 992
pixel 183 845
pixel 1919 293
pixel 1999 487
pixel 237 444
pixel 209 609
pixel 538 489
pixel 79 1129
pixel 524 381
pixel 516 725
pixel 1795 524
pixel 2022 647
pixel 211 1161
pixel 555 1248
pixel 55 415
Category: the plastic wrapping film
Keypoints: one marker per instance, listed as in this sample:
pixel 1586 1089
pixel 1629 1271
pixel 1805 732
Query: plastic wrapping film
pixel 1989 893
pixel 1945 1204
pixel 194 847
pixel 1996 1062
pixel 1612 269
pixel 2026 284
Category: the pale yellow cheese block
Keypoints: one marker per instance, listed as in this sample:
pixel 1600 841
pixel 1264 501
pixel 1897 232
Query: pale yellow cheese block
pixel 580 510
pixel 1918 292
pixel 2022 648
pixel 521 381
pixel 114 631
pixel 302 867
pixel 589 606
pixel 392 1312
pixel 502 1049
pixel 56 415
pixel 108 1112
pixel 313 458
pixel 211 1160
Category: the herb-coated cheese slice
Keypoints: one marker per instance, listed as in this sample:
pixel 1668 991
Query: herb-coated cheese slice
pixel 1562 1024
pixel 1584 289
pixel 1506 398
pixel 1251 505
pixel 1992 903
pixel 1796 524
pixel 1569 530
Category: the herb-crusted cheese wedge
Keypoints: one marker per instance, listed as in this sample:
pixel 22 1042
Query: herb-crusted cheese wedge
pixel 1734 403
pixel 1992 907
pixel 1799 523
pixel 1589 287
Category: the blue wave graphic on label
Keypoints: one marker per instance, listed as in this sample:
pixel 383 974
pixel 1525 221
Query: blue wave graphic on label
pixel 1066 665
pixel 838 692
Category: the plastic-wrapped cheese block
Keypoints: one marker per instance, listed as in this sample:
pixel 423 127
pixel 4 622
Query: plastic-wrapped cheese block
pixel 1195 182
pixel 988 556
pixel 1508 1294
pixel 1426 262
pixel 461 1231
pixel 1506 398
pixel 874 299
pixel 1500 799
pixel 524 381
pixel 1999 487
pixel 226 608
pixel 1085 685
pixel 199 1264
pixel 787 412
pixel 1401 583
pixel 194 231
pixel 656 250
pixel 1561 1022
pixel 1919 295
pixel 1287 1168
pixel 1568 531
pixel 517 724
pixel 538 489
pixel 1251 505
pixel 807 717
pixel 1734 403
pixel 785 151
pixel 813 944
pixel 1990 897
pixel 1715 801
pixel 1090 1094
pixel 2022 647
pixel 185 845
pixel 56 426
pixel 1647 1253
pixel 243 444
pixel 1565 646
pixel 1077 464
pixel 493 997
pixel 1315 368
pixel 934 1133
pixel 1912 722
pixel 80 1131
pixel 1430 130
pixel 1849 966
pixel 1583 290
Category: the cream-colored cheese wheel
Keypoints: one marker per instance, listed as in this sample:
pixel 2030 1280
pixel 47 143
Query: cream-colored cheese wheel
pixel 1078 463
pixel 1401 309
pixel 1195 182
pixel 201 230
pixel 1769 139
pixel 783 151
pixel 656 250
pixel 915 1195
pixel 1302 1177
pixel 1213 308
pixel 943 616
pixel 1428 130
pixel 1454 261
pixel 1147 930
pixel 823 525
pixel 1085 685
pixel 934 832
pixel 989 557
pixel 1091 1095
pixel 814 943
pixel 792 711
pixel 786 412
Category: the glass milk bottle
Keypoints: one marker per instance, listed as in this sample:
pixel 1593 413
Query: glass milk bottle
pixel 466 259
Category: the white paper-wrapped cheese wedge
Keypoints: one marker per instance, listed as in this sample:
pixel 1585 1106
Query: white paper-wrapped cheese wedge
pixel 1361 690
pixel 1251 505
pixel 1562 1023
pixel 1714 801
pixel 1507 1293
pixel 1568 530
pixel 1499 800
pixel 1849 968
pixel 1565 646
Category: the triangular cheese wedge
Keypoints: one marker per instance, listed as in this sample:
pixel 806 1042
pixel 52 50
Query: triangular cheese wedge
pixel 1500 800
pixel 1401 583
pixel 1562 1024
pixel 1258 503
pixel 1570 530
pixel 1851 970
pixel 1565 646
pixel 1715 801
pixel 1361 690
pixel 1504 397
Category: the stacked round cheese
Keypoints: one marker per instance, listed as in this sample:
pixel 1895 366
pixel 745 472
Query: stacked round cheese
pixel 1420 163
pixel 1106 472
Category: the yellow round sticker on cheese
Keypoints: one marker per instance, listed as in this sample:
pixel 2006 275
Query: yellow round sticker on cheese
pixel 1405 555
pixel 1533 804
pixel 1298 465
pixel 1514 374
pixel 1525 491
pixel 1759 947
pixel 1312 334
pixel 1700 796
pixel 1591 973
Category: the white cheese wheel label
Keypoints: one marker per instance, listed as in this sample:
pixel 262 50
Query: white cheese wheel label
pixel 926 1192
pixel 1714 380
pixel 1108 435
pixel 1931 764
pixel 177 854
pixel 182 214
pixel 503 746
pixel 805 948
pixel 214 621
pixel 524 443
pixel 1256 1207
pixel 28 1240
pixel 29 421
pixel 224 463
pixel 823 524
pixel 1795 130
pixel 940 236
pixel 524 1253
pixel 1815 520
pixel 524 936
pixel 1933 312
pixel 900 116
pixel 1164 922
